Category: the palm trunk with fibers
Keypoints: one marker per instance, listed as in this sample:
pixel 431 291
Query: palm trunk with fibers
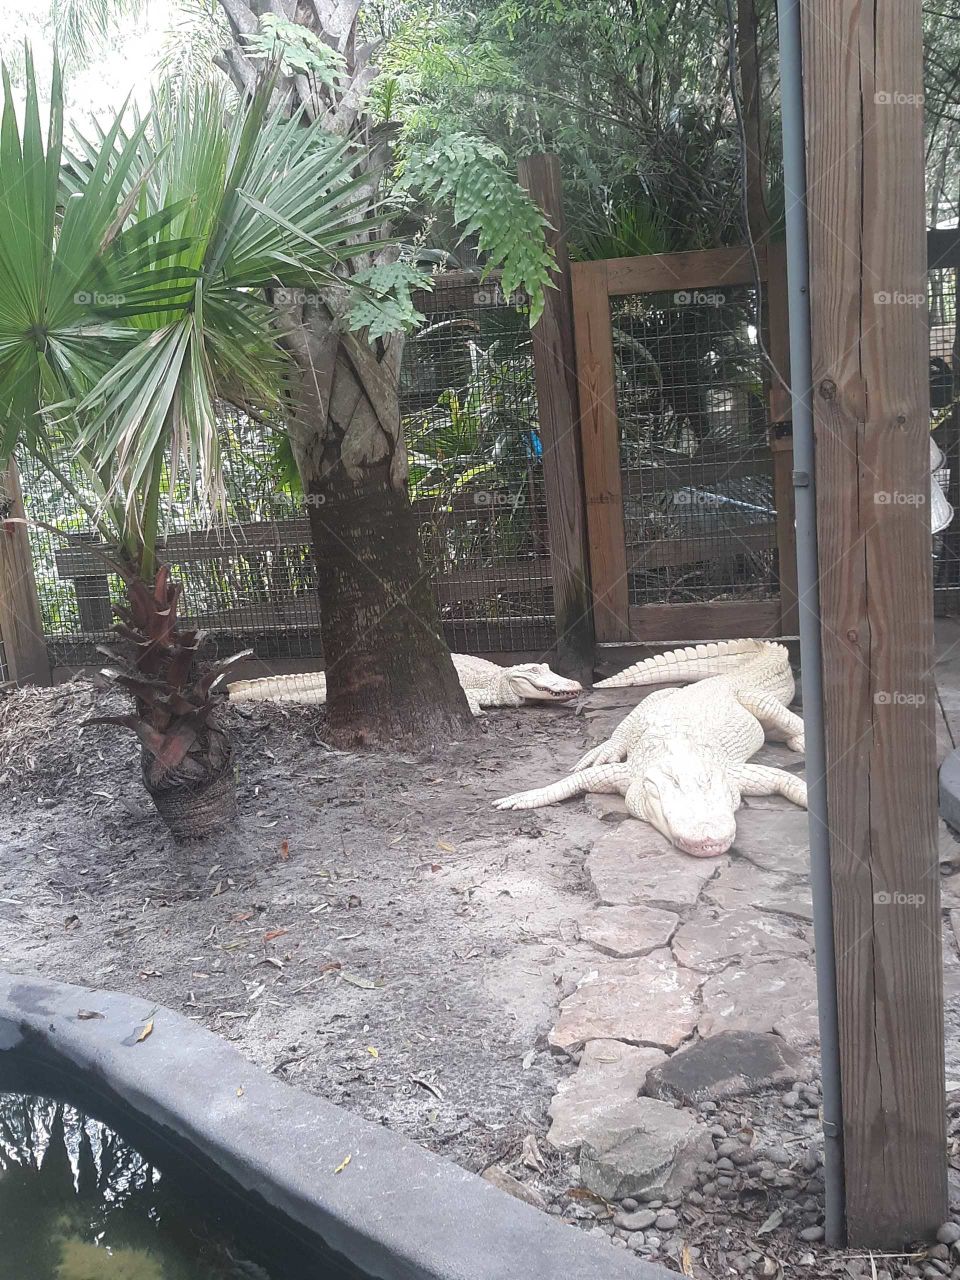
pixel 185 751
pixel 389 673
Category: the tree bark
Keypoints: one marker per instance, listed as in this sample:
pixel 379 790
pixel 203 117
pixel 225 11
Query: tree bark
pixel 390 678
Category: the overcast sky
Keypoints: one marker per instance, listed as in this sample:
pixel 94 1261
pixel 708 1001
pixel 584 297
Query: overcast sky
pixel 124 67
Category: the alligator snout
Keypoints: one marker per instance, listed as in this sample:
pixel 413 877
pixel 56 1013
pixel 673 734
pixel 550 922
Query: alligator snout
pixel 703 846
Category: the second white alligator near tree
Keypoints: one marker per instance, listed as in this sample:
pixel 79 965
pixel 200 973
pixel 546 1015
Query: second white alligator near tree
pixel 485 684
pixel 681 758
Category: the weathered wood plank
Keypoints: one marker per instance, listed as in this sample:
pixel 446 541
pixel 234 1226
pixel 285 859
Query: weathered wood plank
pixel 864 121
pixel 680 272
pixel 554 361
pixel 702 471
pixel 21 625
pixel 737 540
pixel 600 444
pixel 714 620
pixel 781 436
pixel 943 248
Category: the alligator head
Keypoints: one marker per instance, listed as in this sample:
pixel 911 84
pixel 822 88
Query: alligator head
pixel 686 792
pixel 535 682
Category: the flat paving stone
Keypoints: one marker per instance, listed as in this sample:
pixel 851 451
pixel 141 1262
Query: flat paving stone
pixel 628 931
pixel 705 943
pixel 727 1065
pixel 767 995
pixel 648 1147
pixel 609 1073
pixel 607 808
pixel 633 865
pixel 774 840
pixel 742 885
pixel 647 1001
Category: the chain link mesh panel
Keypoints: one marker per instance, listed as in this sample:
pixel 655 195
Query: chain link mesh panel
pixel 945 424
pixel 699 510
pixel 468 403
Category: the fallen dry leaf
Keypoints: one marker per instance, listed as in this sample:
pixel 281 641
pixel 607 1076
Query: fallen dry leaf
pixel 274 933
pixel 374 1053
pixel 357 981
pixel 147 1031
pixel 343 1164
pixel 284 850
pixel 588 1197
pixel 771 1223
pixel 686 1261
pixel 447 848
pixel 531 1154
pixel 240 1092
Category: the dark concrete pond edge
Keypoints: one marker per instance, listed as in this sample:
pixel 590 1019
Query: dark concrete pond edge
pixel 950 790
pixel 393 1211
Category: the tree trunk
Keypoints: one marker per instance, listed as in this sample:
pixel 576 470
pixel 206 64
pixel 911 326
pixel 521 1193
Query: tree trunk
pixel 389 674
pixel 390 678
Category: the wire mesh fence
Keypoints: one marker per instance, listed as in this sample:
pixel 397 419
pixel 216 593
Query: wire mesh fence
pixel 468 404
pixel 945 425
pixel 699 510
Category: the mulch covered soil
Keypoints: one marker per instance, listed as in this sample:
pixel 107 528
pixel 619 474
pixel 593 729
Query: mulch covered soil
pixel 372 930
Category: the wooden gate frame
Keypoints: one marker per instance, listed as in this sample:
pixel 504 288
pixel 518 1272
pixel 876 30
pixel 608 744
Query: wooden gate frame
pixel 594 284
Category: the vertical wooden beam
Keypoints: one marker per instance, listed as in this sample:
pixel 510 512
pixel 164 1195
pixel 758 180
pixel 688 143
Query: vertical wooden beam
pixel 781 437
pixel 21 627
pixel 752 106
pixel 554 361
pixel 600 444
pixel 862 69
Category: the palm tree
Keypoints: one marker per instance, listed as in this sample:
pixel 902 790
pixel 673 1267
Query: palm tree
pixel 134 275
pixel 389 673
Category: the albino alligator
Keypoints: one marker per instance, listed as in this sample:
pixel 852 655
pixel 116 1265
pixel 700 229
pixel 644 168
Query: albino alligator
pixel 680 757
pixel 485 684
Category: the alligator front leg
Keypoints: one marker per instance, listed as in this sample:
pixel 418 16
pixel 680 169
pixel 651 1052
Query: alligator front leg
pixel 761 780
pixel 617 747
pixel 774 716
pixel 610 778
pixel 473 702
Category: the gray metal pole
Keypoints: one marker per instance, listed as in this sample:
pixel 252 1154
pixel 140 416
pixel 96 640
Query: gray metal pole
pixel 808 590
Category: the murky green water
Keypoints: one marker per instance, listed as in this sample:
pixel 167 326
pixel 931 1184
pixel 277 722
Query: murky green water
pixel 77 1203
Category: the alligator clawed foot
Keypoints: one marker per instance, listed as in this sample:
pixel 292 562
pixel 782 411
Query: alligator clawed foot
pixel 796 744
pixel 519 801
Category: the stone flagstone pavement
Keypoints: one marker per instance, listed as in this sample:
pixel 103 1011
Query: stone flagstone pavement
pixel 689 950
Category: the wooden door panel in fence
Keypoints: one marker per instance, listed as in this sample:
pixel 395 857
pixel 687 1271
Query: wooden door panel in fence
pixel 682 490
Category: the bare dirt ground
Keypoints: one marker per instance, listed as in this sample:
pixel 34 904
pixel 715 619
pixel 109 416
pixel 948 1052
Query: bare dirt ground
pixel 372 930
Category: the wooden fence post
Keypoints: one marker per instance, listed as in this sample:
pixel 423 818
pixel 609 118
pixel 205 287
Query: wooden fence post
pixel 781 437
pixel 555 370
pixel 21 627
pixel 863 87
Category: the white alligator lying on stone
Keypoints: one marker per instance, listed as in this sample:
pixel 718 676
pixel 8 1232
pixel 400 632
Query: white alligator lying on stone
pixel 680 758
pixel 485 684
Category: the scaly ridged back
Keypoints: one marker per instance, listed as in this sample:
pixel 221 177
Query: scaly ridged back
pixel 719 658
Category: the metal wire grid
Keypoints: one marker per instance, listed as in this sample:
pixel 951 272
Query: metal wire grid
pixel 476 468
pixel 470 413
pixel 945 424
pixel 699 510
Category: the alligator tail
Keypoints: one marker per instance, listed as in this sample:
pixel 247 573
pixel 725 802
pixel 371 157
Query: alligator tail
pixel 692 663
pixel 304 687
